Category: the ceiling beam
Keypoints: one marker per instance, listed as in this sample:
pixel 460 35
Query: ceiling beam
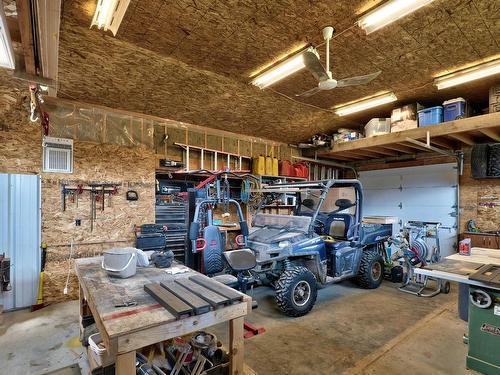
pixel 48 23
pixel 399 148
pixel 383 151
pixel 442 142
pixel 464 138
pixel 491 133
pixel 24 18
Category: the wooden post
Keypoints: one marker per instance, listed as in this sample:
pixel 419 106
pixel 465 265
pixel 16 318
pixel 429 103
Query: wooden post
pixel 125 363
pixel 236 349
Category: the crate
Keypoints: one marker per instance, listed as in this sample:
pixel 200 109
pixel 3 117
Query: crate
pixel 430 116
pixel 378 126
pixel 455 109
pixel 404 113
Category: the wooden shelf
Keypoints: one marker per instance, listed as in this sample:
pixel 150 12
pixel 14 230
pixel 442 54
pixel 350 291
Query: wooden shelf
pixel 448 136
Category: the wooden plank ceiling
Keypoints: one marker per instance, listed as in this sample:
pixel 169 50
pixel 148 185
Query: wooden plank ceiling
pixel 190 60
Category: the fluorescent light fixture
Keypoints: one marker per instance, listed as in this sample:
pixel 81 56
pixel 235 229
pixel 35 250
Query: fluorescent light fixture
pixel 7 59
pixel 361 105
pixel 476 72
pixel 291 65
pixel 109 14
pixel 388 12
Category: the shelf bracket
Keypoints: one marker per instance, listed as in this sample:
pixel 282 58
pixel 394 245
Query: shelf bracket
pixel 429 146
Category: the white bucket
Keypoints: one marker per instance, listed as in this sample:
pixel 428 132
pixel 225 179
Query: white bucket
pixel 98 349
pixel 120 262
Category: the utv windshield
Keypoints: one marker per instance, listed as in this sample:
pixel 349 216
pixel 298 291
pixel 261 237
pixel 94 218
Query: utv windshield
pixel 310 198
pixel 289 223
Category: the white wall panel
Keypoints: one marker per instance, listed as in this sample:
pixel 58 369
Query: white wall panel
pixel 20 237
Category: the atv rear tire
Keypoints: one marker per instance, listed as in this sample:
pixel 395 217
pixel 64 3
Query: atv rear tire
pixel 371 270
pixel 296 291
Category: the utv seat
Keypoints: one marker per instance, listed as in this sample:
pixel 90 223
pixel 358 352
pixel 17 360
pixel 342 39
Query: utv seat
pixel 240 261
pixel 338 225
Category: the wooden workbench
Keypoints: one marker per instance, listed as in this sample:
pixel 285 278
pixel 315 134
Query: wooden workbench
pixel 127 329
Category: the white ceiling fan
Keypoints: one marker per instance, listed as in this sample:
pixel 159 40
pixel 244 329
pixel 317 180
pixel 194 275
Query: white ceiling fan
pixel 324 75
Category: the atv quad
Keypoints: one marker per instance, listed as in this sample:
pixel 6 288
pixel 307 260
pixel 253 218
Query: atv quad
pixel 318 245
pixel 324 242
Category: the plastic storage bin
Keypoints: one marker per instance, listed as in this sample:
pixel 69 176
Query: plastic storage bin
pixel 430 116
pixel 378 126
pixel 98 351
pixel 454 109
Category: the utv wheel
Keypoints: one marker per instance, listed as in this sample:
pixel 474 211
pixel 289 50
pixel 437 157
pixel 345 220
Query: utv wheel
pixel 296 291
pixel 371 270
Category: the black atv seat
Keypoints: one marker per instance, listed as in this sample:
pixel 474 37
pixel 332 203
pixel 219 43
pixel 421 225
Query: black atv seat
pixel 338 225
pixel 240 260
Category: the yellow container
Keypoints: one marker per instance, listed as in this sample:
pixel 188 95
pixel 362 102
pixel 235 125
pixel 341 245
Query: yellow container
pixel 269 166
pixel 259 165
pixel 276 167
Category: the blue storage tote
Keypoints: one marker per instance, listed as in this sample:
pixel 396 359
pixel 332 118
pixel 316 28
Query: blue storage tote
pixel 430 116
pixel 454 109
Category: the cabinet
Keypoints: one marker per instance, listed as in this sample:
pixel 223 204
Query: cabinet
pixel 486 240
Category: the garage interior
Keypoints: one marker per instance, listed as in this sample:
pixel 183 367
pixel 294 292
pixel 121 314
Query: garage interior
pixel 249 187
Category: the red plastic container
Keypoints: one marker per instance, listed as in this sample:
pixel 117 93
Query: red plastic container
pixel 301 170
pixel 286 168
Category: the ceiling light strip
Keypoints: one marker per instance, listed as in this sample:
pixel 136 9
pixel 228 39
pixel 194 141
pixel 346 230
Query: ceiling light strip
pixel 280 71
pixel 389 12
pixel 364 104
pixel 109 14
pixel 471 74
pixel 7 59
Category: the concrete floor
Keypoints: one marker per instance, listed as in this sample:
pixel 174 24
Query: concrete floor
pixel 349 331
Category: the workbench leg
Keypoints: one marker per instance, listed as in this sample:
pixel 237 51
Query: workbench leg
pixel 125 364
pixel 236 349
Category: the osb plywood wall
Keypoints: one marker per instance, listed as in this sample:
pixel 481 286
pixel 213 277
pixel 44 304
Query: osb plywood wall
pixel 129 168
pixel 96 162
pixel 479 201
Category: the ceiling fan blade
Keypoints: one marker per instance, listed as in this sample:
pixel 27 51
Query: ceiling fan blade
pixel 312 63
pixel 309 92
pixel 359 80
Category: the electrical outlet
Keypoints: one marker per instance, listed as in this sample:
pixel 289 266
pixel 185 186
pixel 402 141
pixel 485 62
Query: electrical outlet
pixel 78 222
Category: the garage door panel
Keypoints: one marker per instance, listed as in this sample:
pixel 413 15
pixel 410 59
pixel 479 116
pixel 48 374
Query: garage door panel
pixel 429 197
pixel 381 197
pixel 381 182
pixel 426 193
pixel 441 177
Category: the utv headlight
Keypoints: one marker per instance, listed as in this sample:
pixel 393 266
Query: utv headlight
pixel 283 244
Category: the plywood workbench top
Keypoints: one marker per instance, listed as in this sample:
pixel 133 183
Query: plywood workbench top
pixel 105 292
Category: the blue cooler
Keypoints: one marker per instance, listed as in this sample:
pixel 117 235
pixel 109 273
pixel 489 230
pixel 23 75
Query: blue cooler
pixel 454 109
pixel 430 116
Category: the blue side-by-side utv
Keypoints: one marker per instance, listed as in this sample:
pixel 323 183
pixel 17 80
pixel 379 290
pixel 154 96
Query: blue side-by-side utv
pixel 323 242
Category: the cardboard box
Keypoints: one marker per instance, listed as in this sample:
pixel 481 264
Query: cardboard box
pixel 404 125
pixel 406 112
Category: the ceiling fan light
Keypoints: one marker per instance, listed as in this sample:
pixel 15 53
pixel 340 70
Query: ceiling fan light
pixel 7 59
pixel 109 14
pixel 471 74
pixel 389 12
pixel 284 69
pixel 361 105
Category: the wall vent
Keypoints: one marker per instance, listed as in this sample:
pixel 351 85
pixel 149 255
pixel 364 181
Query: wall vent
pixel 57 155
